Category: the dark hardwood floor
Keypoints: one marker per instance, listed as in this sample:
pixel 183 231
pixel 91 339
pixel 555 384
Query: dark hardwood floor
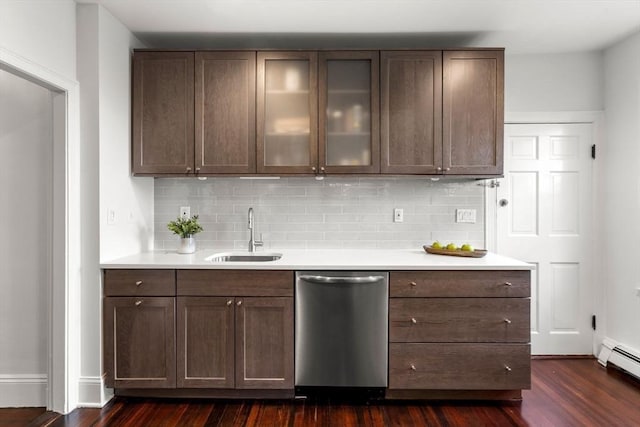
pixel 564 392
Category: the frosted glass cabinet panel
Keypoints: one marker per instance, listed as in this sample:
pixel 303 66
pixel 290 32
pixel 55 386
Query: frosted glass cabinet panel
pixel 287 112
pixel 349 112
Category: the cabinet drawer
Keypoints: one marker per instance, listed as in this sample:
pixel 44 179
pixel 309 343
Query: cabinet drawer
pixel 235 283
pixel 459 320
pixel 139 282
pixel 467 283
pixel 459 366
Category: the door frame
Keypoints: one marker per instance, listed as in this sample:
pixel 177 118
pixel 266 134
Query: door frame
pixel 597 120
pixel 63 296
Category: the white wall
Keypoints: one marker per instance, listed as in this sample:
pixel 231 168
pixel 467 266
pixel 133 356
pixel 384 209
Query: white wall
pixel 104 74
pixel 130 198
pixel 554 82
pixel 622 198
pixel 25 249
pixel 43 32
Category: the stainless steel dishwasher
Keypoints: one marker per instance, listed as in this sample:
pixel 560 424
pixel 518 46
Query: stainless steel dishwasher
pixel 341 329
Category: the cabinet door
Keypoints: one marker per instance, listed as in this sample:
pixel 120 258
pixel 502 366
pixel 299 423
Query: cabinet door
pixel 349 112
pixel 264 343
pixel 473 112
pixel 225 94
pixel 139 344
pixel 287 112
pixel 205 336
pixel 411 112
pixel 162 113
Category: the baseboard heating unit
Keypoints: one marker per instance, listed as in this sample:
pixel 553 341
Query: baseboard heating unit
pixel 623 357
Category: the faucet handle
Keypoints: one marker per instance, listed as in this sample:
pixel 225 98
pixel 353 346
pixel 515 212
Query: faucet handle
pixel 259 242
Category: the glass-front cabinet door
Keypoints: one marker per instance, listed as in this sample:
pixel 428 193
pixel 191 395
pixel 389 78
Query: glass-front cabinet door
pixel 287 112
pixel 349 112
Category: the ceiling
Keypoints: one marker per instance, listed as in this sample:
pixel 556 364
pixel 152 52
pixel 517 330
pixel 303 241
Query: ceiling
pixel 521 26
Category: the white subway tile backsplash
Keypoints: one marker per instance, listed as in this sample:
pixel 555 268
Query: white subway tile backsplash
pixel 337 212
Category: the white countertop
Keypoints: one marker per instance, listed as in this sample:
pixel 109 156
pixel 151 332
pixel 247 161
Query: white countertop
pixel 323 260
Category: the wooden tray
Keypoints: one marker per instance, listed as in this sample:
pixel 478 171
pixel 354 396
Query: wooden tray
pixel 478 253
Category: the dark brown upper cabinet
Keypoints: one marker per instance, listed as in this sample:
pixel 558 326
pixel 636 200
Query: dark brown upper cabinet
pixel 194 113
pixel 421 112
pixel 349 133
pixel 411 112
pixel 473 112
pixel 163 126
pixel 287 112
pixel 225 96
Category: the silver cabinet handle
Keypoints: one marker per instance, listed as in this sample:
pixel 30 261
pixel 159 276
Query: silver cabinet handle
pixel 507 368
pixel 343 280
pixel 413 320
pixel 239 303
pixel 139 282
pixel 313 168
pixel 413 284
pixel 439 169
pixel 229 302
pixel 508 284
pixel 447 169
pixel 507 321
pixel 413 367
pixel 188 169
pixel 138 303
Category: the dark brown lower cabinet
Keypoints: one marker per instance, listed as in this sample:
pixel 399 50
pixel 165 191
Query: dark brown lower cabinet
pixel 264 343
pixel 139 344
pixel 205 342
pixel 227 342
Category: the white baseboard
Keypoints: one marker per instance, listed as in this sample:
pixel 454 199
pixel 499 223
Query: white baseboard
pixel 92 392
pixel 23 390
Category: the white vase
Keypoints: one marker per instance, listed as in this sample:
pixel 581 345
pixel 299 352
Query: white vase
pixel 187 245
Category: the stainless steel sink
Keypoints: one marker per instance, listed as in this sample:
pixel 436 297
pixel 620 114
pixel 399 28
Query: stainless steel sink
pixel 244 257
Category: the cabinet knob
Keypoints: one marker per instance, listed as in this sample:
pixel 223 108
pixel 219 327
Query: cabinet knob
pixel 439 169
pixel 197 170
pixel 313 168
pixel 508 284
pixel 413 284
pixel 507 321
pixel 138 303
pixel 322 170
pixel 188 169
pixel 239 303
pixel 229 302
pixel 507 368
pixel 447 169
pixel 413 320
pixel 413 367
pixel 139 282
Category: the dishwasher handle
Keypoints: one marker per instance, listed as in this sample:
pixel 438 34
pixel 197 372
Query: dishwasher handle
pixel 347 280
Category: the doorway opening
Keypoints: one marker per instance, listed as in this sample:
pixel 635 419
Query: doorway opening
pixel 41 176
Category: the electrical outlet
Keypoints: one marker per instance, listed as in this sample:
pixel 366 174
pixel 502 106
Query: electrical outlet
pixel 185 212
pixel 398 215
pixel 466 215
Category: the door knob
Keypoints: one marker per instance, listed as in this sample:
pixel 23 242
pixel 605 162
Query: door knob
pixel 503 202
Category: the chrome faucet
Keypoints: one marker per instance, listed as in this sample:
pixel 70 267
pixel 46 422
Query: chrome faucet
pixel 252 242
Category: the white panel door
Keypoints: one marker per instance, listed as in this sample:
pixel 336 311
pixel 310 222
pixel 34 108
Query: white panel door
pixel 544 217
